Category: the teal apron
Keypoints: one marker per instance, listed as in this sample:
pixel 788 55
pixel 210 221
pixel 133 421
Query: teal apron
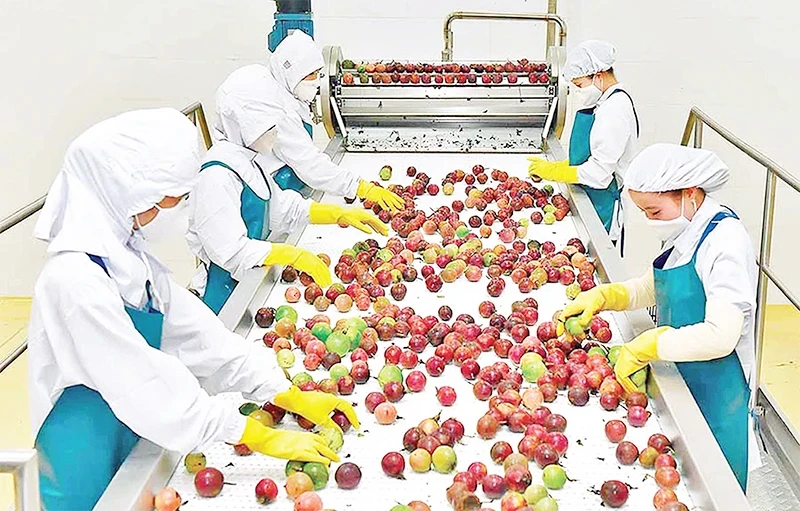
pixel 605 200
pixel 255 213
pixel 82 444
pixel 287 179
pixel 719 386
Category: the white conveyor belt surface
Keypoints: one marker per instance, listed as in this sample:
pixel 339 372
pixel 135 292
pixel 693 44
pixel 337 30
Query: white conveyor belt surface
pixel 589 461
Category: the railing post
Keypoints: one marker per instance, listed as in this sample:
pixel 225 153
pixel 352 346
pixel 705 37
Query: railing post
pixel 552 7
pixel 24 467
pixel 698 133
pixel 201 122
pixel 763 264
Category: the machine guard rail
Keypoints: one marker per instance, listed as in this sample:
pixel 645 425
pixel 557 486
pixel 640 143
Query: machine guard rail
pixel 549 18
pixel 194 112
pixel 777 431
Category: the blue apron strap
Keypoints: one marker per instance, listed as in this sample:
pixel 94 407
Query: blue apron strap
pixel 216 163
pixel 719 217
pixel 266 231
pixel 633 105
pixel 102 264
pixel 99 262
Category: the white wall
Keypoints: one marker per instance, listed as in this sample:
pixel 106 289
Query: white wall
pixel 69 64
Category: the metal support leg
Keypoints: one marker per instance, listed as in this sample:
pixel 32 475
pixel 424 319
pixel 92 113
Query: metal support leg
pixel 763 266
pixel 23 466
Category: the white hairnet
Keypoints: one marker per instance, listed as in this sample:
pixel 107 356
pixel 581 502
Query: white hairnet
pixel 118 168
pixel 247 105
pixel 668 167
pixel 296 57
pixel 588 58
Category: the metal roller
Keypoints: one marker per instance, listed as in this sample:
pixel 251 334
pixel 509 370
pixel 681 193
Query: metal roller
pixel 403 108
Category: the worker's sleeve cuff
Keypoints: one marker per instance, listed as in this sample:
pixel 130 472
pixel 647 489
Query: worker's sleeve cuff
pixel 641 291
pixel 714 338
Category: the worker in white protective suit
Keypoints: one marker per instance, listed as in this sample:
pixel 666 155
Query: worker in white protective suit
pixel 704 288
pixel 296 163
pixel 236 206
pixel 604 134
pixel 118 351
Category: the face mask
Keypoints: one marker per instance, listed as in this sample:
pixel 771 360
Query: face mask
pixel 307 90
pixel 670 229
pixel 266 142
pixel 586 97
pixel 168 223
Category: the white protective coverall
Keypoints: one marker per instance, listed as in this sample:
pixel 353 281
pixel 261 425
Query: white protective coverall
pixel 80 333
pixel 615 132
pixel 295 58
pixel 246 109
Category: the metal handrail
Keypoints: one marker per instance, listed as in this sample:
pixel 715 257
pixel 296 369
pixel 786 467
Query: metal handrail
pixel 23 465
pixel 194 112
pixel 197 115
pixel 447 53
pixel 22 214
pixel 694 132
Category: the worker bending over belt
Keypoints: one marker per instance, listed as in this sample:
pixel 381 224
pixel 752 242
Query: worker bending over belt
pixel 118 351
pixel 296 163
pixel 704 288
pixel 236 206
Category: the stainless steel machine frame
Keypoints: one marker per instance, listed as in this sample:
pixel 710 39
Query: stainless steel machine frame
pixel 781 437
pixel 488 108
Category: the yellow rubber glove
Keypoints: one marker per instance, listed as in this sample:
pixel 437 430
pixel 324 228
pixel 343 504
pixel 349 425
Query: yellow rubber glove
pixel 558 171
pixel 613 297
pixel 287 445
pixel 302 260
pixel 381 196
pixel 636 354
pixel 359 218
pixel 316 406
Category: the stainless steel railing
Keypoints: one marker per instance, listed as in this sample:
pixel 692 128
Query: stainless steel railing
pixel 23 465
pixel 549 18
pixel 194 112
pixel 693 132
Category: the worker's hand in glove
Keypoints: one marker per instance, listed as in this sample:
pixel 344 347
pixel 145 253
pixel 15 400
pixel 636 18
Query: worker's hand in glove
pixel 302 260
pixel 316 406
pixel 359 218
pixel 636 354
pixel 558 171
pixel 613 297
pixel 380 196
pixel 287 445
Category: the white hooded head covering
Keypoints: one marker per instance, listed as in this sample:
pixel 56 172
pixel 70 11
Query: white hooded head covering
pixel 588 58
pixel 114 170
pixel 296 57
pixel 247 105
pixel 668 167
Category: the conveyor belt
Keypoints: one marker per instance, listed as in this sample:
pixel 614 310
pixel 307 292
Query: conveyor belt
pixel 589 461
